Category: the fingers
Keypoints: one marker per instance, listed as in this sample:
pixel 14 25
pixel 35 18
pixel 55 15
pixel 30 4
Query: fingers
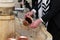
pixel 28 17
pixel 25 23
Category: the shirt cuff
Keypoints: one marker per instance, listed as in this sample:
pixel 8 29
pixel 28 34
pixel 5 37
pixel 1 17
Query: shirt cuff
pixel 42 21
pixel 33 10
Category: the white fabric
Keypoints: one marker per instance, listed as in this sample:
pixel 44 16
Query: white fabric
pixel 40 11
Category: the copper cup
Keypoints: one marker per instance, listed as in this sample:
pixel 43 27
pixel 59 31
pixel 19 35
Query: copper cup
pixel 22 38
pixel 11 39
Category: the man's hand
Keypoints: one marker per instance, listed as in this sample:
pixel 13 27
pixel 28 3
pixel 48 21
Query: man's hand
pixel 35 24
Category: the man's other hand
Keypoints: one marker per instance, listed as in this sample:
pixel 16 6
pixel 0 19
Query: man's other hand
pixel 35 24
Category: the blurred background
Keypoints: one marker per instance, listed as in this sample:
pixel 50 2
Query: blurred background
pixel 21 7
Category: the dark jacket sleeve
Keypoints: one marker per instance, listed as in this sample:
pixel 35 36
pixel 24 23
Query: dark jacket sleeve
pixel 35 4
pixel 27 5
pixel 53 11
